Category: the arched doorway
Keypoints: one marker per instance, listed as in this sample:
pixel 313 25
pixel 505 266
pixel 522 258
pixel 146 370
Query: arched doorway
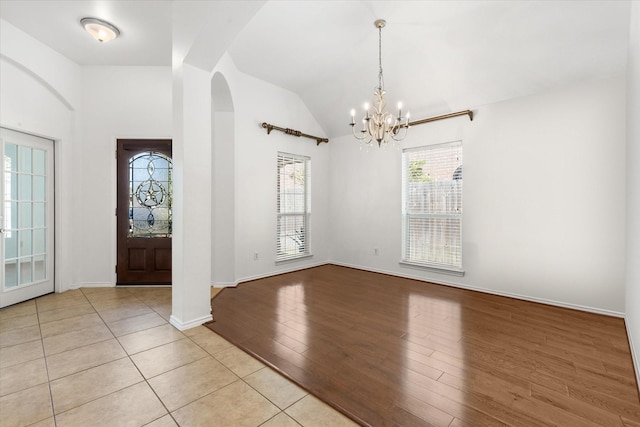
pixel 223 184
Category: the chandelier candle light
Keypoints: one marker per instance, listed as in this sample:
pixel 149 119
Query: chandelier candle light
pixel 378 124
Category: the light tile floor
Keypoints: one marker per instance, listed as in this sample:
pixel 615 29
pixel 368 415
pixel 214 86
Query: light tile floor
pixel 109 357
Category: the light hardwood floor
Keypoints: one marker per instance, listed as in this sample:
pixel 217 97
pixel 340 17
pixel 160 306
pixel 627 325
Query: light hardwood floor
pixel 393 351
pixel 109 357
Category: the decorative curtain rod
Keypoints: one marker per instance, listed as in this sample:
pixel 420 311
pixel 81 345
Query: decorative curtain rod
pixel 288 131
pixel 318 139
pixel 444 116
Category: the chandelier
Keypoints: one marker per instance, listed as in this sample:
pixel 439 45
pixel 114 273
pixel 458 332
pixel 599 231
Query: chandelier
pixel 378 124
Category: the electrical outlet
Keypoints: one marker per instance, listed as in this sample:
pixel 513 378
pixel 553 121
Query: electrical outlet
pixel 256 256
pixel 376 251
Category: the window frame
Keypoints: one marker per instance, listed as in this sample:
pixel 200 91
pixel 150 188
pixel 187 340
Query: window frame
pixel 407 260
pixel 303 212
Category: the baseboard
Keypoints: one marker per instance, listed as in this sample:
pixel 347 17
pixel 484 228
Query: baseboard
pixel 279 272
pixel 488 291
pixel 92 285
pixel 224 284
pixel 634 354
pixel 59 288
pixel 180 325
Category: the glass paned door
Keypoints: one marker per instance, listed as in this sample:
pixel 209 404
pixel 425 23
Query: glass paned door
pixel 26 219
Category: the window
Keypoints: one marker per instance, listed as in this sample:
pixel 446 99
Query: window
pixel 294 207
pixel 432 206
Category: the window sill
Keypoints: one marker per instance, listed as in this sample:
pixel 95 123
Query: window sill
pixel 433 267
pixel 293 259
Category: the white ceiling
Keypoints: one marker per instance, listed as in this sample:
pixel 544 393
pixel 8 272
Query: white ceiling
pixel 438 56
pixel 145 28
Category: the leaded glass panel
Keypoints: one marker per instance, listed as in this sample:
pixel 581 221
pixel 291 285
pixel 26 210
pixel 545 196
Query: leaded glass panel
pixel 150 195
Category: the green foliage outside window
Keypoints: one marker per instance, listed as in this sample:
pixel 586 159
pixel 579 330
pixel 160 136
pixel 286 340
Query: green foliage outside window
pixel 416 173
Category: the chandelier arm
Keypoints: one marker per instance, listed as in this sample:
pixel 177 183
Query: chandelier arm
pixel 399 132
pixel 360 138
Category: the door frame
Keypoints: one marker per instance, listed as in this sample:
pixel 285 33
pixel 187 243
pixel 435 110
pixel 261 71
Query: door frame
pixel 162 145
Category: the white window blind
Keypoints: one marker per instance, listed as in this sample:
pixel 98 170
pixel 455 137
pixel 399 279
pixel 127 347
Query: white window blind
pixel 294 206
pixel 432 206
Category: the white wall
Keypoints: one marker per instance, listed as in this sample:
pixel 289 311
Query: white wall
pixel 117 102
pixel 255 172
pixel 84 109
pixel 223 266
pixel 543 198
pixel 39 95
pixel 633 188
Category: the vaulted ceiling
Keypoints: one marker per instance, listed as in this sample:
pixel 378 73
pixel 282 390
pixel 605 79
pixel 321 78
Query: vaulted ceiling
pixel 438 56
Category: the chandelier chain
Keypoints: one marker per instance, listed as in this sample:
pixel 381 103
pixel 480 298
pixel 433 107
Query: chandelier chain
pixel 380 75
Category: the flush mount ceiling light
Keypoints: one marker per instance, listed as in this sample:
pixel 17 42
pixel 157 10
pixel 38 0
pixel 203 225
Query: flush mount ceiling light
pixel 99 29
pixel 379 124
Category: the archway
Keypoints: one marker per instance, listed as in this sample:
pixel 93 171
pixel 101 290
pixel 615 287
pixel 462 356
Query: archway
pixel 223 184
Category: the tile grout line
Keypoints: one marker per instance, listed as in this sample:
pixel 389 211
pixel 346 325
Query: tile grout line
pixel 45 360
pixel 128 356
pixel 102 364
pixel 46 366
pixel 139 299
pixel 55 416
pixel 281 411
pixel 238 378
pixel 144 379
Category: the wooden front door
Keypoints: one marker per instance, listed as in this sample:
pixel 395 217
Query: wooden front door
pixel 144 212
